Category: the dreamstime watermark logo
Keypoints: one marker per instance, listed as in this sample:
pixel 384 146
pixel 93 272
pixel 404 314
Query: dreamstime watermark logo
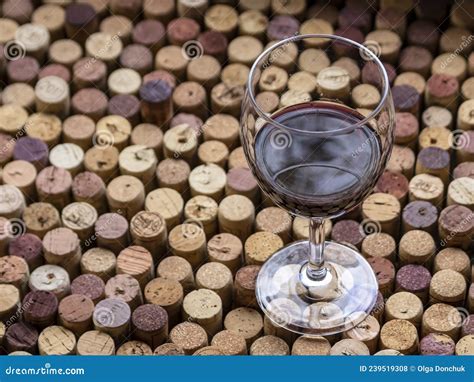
pixel 14 50
pixel 104 316
pixel 466 41
pixel 459 317
pixel 280 139
pixel 459 140
pixel 14 227
pixel 371 49
pixel 192 228
pixel 103 139
pixel 192 49
pixel 369 227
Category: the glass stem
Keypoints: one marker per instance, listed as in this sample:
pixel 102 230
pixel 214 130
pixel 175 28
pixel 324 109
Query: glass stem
pixel 316 270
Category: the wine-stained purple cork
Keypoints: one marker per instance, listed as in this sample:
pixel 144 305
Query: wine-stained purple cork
pixel 395 184
pixel 89 73
pixel 442 90
pixel 456 226
pixel 434 161
pixel 91 102
pixel 24 69
pixel 193 121
pixel 150 324
pixel 182 30
pixel 80 21
pixel 281 27
pixel 406 129
pixel 138 58
pixel 420 215
pixel 40 308
pixel 415 279
pixel 423 33
pixel 348 231
pixel 371 74
pixel 156 103
pixel 343 49
pixel 53 185
pixel 89 285
pixel 353 15
pixel 416 59
pixel 241 181
pixel 112 316
pixel 112 232
pixel 31 150
pixel 89 187
pixel 29 247
pixel 126 288
pixel 75 313
pixel 406 99
pixel 468 324
pixel 150 33
pixel 21 337
pixel 18 10
pixel 57 70
pixel 162 75
pixel 214 44
pixel 127 106
pixel 465 169
pixel 392 19
pixel 437 344
pixel 244 286
pixel 385 274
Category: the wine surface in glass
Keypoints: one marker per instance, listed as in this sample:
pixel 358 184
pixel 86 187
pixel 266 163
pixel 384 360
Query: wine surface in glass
pixel 318 163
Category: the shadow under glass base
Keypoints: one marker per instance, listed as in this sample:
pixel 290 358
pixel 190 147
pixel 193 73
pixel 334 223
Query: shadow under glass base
pixel 335 304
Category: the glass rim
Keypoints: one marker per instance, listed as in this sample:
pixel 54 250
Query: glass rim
pixel 361 47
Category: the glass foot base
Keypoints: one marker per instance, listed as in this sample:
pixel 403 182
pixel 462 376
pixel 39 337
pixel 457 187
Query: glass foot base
pixel 334 304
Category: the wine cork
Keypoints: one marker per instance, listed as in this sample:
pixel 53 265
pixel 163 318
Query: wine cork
pixel 13 118
pixel 52 96
pixel 379 244
pixel 15 272
pixel 269 345
pixel 52 17
pixel 21 174
pixel 40 308
pixel 437 116
pixel 148 229
pixel 29 247
pixel 180 141
pixel 275 220
pixel 99 262
pixel 95 342
pixel 140 162
pixel 245 321
pixel 281 27
pixel 293 97
pixel 465 146
pixel 21 94
pixel 378 310
pixel 159 10
pixel 222 18
pixel 242 182
pixel 384 209
pixel 452 65
pixel 412 79
pixel 7 145
pixel 437 344
pixel 65 52
pixel 449 287
pixel 204 307
pixel 179 269
pixel 214 44
pixel 367 332
pixel 260 246
pixel 370 74
pixel 188 241
pixel 172 59
pixel 136 261
pixel 90 102
pixel 138 58
pixel 406 129
pixel 31 150
pixel 34 38
pixel 226 99
pixel 126 195
pixel 79 130
pixel 415 279
pixel 150 324
pixel 127 106
pixel 460 191
pixel 8 28
pixel 205 71
pixel 404 306
pixel 389 43
pixel 112 316
pixel 333 82
pixel 244 286
pixel 111 230
pixel 222 127
pixel 427 188
pixel 452 258
pixel 189 336
pixel 21 337
pixel 423 33
pixel 214 152
pixel 12 201
pixel 124 81
pixel 190 97
pixel 156 104
pixel 68 156
pixel 53 185
pixel 39 218
pixel 235 74
pixel 402 161
pixel 208 180
pixel 9 302
pixel 113 130
pixel 203 211
pixel 348 231
pixel 227 249
pixel 442 90
pixel 468 327
pixel 406 99
pixel 218 278
pixel 89 73
pixel 416 247
pixel 150 33
pixel 465 345
pixel 434 161
pixel 168 294
pixel 467 89
pixel 462 170
pixel 395 184
pixel 90 188
pixel 245 50
pixel 134 348
pixel 300 229
pixel 420 215
pixel 89 285
pixel 45 127
pixel 465 120
pixel 400 335
pixel 104 47
pixel 435 137
pixel 253 23
pixel 23 69
pixel 81 22
pixel 455 226
pixel 236 216
pixel 166 202
pixel 349 346
pixel 311 346
pixel 148 135
pixel 124 287
pixel 365 96
pixel 230 343
pixel 385 274
pixel 442 319
pixel 61 246
pixel 102 161
pixel 173 174
pixel 75 314
pixel 416 59
pixel 80 218
pixel 237 159
pixel 356 17
pixel 168 349
pixel 50 278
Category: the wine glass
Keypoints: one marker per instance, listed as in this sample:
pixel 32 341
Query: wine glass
pixel 317 136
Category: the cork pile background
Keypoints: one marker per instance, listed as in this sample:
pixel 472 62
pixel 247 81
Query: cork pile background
pixel 129 220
